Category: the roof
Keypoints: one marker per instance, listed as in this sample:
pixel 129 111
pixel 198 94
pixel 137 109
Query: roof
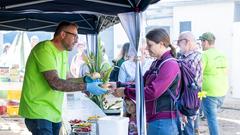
pixel 92 16
pixel 47 21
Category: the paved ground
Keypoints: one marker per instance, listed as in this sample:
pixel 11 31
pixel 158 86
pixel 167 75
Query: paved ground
pixel 13 126
pixel 229 120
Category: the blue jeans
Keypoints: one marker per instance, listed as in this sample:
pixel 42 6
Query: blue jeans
pixel 163 127
pixel 196 122
pixel 189 127
pixel 210 107
pixel 42 127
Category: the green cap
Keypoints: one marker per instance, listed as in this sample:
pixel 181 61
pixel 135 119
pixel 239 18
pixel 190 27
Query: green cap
pixel 207 36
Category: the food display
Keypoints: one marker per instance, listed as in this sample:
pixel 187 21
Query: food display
pixel 14 73
pixel 93 118
pixel 81 127
pixel 4 74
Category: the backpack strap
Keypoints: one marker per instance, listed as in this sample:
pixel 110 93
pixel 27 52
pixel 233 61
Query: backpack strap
pixel 168 59
pixel 173 97
pixel 170 92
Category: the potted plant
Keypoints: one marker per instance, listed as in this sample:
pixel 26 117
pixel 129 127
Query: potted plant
pixel 98 69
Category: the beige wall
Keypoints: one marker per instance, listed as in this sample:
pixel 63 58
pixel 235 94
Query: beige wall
pixel 218 19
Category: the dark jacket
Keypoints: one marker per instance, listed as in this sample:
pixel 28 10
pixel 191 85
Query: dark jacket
pixel 159 104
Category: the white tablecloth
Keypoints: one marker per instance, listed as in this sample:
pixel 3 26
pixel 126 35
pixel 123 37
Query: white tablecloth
pixel 78 106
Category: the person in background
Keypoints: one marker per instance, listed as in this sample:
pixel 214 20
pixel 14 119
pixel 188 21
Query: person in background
pixel 163 75
pixel 131 113
pixel 215 80
pixel 105 57
pixel 146 59
pixel 4 57
pixel 190 54
pixel 105 61
pixel 45 82
pixel 128 67
pixel 77 68
pixel 117 63
pixel 34 40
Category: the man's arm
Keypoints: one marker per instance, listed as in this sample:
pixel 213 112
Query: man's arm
pixel 59 84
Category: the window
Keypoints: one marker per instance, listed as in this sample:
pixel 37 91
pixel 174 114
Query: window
pixel 237 11
pixel 185 26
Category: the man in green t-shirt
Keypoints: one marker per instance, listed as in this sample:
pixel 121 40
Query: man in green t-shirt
pixel 45 81
pixel 215 80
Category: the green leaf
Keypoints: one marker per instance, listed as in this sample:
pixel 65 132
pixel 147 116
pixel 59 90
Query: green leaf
pixel 97 100
pixel 95 64
pixel 99 58
pixel 106 75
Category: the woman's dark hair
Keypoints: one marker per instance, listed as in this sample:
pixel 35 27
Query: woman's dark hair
pixel 125 49
pixel 160 35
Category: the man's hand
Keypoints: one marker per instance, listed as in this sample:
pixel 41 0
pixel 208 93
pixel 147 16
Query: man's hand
pixel 95 89
pixel 184 119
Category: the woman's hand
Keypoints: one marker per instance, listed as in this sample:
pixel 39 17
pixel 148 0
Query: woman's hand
pixel 110 86
pixel 119 92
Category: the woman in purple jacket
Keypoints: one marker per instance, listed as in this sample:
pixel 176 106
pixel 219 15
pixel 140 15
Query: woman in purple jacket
pixel 160 109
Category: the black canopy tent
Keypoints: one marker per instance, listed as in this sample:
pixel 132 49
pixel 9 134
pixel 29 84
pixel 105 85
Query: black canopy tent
pixel 88 23
pixel 110 7
pixel 92 16
pixel 38 10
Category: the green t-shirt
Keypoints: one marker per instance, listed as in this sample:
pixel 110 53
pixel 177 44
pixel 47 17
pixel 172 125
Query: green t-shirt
pixel 38 99
pixel 215 77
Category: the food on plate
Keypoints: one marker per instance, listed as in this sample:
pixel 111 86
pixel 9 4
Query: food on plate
pixel 80 126
pixel 93 118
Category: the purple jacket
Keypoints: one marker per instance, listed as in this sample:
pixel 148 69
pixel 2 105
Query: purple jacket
pixel 159 104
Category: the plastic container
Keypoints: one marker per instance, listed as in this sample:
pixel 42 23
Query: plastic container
pixel 3 94
pixel 12 110
pixel 3 107
pixel 81 133
pixel 4 74
pixel 113 125
pixel 94 127
pixel 14 94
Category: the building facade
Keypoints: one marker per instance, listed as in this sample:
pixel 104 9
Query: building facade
pixel 221 17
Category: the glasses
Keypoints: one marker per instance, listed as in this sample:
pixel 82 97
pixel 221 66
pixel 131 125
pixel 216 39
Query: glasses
pixel 180 40
pixel 74 35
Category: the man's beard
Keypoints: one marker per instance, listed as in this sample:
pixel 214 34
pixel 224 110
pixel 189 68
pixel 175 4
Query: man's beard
pixel 65 46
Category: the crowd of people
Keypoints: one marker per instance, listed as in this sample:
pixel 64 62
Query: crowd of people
pixel 46 80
